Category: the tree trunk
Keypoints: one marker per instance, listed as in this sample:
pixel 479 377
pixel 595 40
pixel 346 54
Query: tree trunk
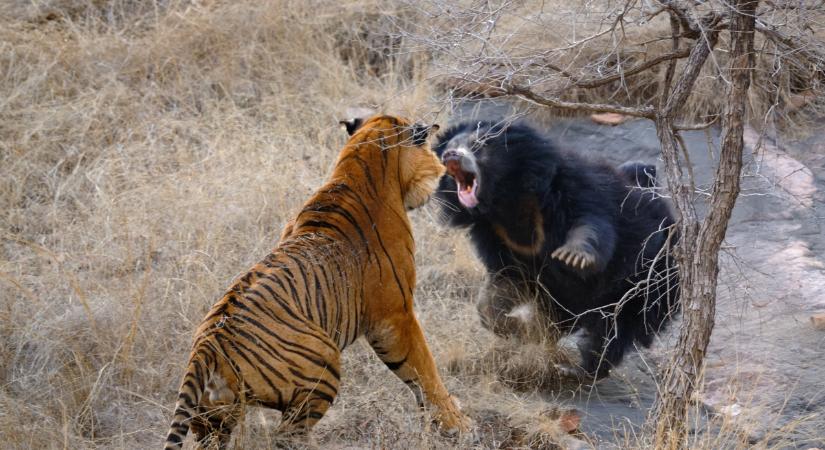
pixel 698 252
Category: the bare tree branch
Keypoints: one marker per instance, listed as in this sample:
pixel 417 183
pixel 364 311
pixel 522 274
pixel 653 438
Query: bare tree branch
pixel 646 112
pixel 698 126
pixel 811 53
pixel 641 67
pixel 698 54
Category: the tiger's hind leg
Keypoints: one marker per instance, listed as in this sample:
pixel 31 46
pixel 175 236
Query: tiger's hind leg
pixel 299 417
pixel 316 388
pixel 213 426
pixel 399 342
pixel 219 411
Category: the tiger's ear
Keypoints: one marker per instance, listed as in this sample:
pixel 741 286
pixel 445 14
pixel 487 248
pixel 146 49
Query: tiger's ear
pixel 352 125
pixel 421 132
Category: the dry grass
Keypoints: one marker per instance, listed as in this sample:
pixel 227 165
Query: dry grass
pixel 149 153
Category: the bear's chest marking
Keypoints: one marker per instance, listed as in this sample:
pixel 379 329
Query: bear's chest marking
pixel 524 233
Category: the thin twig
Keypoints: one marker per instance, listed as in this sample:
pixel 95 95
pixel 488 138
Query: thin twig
pixel 699 126
pixel 641 67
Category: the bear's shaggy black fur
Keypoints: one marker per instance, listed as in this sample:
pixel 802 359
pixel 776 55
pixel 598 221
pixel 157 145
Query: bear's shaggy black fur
pixel 587 237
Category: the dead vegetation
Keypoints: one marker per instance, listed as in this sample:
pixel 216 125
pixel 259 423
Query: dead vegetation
pixel 151 151
pixel 617 54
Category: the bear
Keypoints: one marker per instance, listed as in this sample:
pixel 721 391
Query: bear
pixel 590 241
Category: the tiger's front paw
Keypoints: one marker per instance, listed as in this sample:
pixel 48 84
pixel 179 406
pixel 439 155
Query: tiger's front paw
pixel 458 427
pixel 576 255
pixel 451 421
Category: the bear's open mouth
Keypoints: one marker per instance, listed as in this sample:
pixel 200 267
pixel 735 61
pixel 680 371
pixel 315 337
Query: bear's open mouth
pixel 467 181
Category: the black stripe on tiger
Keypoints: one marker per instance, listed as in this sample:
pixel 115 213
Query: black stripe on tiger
pixel 395 365
pixel 189 396
pixel 347 215
pixel 299 350
pixel 322 224
pixel 373 191
pixel 274 317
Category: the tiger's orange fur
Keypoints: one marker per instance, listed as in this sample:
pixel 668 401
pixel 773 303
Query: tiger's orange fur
pixel 344 268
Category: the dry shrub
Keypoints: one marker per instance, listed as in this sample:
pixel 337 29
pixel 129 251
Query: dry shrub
pixel 372 46
pixel 546 45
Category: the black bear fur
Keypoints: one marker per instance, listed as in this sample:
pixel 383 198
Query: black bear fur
pixel 583 231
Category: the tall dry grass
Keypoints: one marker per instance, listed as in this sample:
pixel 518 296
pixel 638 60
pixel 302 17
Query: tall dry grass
pixel 149 153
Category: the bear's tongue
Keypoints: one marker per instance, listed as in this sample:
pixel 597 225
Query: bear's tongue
pixel 467 194
pixel 466 181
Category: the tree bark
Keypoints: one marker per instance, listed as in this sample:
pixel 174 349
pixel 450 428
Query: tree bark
pixel 698 250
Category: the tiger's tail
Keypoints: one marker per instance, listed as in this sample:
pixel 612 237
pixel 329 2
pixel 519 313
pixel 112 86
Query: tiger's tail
pixel 189 397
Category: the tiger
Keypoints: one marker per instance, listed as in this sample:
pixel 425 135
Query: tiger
pixel 344 267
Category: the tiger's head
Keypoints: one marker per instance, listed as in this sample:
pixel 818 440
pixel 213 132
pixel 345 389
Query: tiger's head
pixel 399 142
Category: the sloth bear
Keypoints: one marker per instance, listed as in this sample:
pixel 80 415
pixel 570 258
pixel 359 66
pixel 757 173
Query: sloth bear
pixel 590 241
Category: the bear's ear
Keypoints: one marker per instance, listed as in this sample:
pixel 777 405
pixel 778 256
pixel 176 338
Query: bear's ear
pixel 421 132
pixel 352 125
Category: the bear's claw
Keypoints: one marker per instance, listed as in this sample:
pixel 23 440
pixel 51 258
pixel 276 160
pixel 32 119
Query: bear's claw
pixel 574 256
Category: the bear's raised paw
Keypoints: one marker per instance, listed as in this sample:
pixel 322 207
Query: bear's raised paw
pixel 577 256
